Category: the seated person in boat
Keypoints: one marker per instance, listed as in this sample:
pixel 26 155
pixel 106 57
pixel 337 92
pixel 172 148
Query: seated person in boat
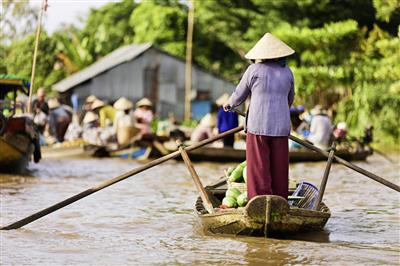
pixel 298 125
pixel 340 135
pixel 59 118
pixel 304 128
pixel 74 131
pixel 40 109
pixel 226 120
pixel 320 128
pixel 144 117
pixel 270 83
pixel 86 107
pixel 124 125
pixel 295 116
pixel 205 128
pixel 105 112
pixel 368 135
pixel 21 104
pixel 93 133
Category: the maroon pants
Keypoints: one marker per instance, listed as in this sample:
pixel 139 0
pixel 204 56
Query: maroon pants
pixel 267 165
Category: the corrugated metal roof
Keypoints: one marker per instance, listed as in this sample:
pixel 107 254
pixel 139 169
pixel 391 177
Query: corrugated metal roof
pixel 118 56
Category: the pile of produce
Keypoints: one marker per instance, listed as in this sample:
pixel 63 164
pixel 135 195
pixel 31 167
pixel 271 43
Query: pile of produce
pixel 238 174
pixel 233 196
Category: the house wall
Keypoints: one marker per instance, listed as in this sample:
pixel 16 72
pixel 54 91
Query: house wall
pixel 127 80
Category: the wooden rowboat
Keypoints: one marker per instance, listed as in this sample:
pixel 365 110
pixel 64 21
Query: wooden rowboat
pixel 263 216
pixel 239 155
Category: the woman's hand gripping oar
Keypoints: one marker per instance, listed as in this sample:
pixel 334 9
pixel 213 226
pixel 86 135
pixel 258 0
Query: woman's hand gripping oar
pixel 341 161
pixel 114 180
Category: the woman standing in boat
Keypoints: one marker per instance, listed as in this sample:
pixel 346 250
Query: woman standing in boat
pixel 270 83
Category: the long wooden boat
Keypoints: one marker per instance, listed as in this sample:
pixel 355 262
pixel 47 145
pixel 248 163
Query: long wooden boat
pixel 19 138
pixel 72 149
pixel 267 216
pixel 239 155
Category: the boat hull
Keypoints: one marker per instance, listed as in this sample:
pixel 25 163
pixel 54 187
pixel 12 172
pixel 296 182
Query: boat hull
pixel 13 160
pixel 239 155
pixel 267 216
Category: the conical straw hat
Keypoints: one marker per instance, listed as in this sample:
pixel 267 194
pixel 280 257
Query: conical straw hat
pixel 53 103
pixel 222 99
pixel 90 117
pixel 269 47
pixel 91 99
pixel 123 104
pixel 144 102
pixel 97 104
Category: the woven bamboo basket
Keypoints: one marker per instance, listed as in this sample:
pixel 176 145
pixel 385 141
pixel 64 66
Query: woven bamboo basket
pixel 241 186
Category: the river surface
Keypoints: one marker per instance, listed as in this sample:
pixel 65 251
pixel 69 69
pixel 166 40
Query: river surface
pixel 149 219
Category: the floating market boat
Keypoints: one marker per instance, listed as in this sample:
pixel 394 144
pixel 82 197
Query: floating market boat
pixel 68 149
pixel 267 216
pixel 239 155
pixel 19 138
pixel 213 154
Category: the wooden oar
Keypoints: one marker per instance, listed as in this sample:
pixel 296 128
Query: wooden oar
pixel 382 154
pixel 341 161
pixel 325 177
pixel 114 180
pixel 203 194
pixel 348 164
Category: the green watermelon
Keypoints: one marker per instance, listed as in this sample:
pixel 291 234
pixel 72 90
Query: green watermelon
pixel 242 199
pixel 230 170
pixel 236 175
pixel 245 174
pixel 229 202
pixel 233 192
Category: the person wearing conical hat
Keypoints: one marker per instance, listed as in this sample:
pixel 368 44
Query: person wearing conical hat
pixel 226 120
pixel 270 83
pixel 90 99
pixel 86 107
pixel 90 119
pixel 105 112
pixel 144 116
pixel 123 104
pixel 124 124
pixel 91 130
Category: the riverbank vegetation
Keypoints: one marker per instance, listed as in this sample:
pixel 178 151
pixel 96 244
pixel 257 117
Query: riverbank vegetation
pixel 348 61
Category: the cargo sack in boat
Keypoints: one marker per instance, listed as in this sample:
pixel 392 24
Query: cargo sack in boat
pixel 310 194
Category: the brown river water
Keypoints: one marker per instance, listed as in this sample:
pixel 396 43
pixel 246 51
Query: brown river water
pixel 149 219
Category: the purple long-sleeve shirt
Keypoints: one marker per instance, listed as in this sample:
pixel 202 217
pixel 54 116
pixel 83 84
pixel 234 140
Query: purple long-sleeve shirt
pixel 271 88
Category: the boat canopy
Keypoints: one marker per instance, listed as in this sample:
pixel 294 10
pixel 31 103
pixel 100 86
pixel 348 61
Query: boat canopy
pixel 11 83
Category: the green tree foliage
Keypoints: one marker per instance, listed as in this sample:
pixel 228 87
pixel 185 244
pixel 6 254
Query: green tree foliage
pixel 321 62
pixel 19 60
pixel 387 10
pixel 162 23
pixel 107 28
pixel 72 51
pixel 3 53
pixel 375 95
